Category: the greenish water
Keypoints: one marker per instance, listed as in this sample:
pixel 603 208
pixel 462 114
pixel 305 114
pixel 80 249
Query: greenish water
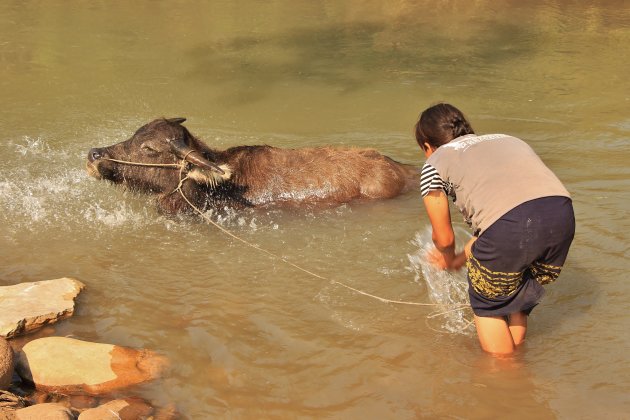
pixel 248 336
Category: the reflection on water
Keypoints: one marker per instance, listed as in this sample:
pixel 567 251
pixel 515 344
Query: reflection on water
pixel 249 336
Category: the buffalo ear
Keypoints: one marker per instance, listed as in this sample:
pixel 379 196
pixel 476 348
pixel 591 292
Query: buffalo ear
pixel 178 120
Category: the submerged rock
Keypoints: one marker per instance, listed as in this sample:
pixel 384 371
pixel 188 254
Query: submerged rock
pixel 73 366
pixel 48 411
pixel 6 364
pixel 9 402
pixel 127 409
pixel 26 307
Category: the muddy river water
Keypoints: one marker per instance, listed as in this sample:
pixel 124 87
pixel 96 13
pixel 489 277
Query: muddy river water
pixel 249 336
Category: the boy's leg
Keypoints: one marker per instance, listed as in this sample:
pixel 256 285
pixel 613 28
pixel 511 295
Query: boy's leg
pixel 518 327
pixel 494 334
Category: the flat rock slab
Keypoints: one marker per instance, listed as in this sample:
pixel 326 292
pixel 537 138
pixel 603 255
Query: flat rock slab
pixel 26 307
pixel 48 411
pixel 127 409
pixel 73 366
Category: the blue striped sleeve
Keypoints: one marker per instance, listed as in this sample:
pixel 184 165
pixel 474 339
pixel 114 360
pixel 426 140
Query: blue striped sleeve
pixel 430 180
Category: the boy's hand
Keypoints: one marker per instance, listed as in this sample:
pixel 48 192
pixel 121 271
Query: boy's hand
pixel 443 262
pixel 450 261
pixel 437 259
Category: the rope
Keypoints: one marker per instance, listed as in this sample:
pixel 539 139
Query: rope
pixel 283 259
pixel 182 179
pixel 158 165
pixel 458 307
pixel 459 330
pixel 297 267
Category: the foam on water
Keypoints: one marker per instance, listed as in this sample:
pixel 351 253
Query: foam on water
pixel 35 197
pixel 446 288
pixel 47 187
pixel 35 181
pixel 44 186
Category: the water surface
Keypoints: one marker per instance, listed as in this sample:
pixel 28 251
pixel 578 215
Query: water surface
pixel 249 336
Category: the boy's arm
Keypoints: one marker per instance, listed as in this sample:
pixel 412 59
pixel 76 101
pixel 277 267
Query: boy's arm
pixel 443 236
pixel 436 204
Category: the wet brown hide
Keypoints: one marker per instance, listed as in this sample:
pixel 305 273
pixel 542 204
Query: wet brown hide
pixel 249 176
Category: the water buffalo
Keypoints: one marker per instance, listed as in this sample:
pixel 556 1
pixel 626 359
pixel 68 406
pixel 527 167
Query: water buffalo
pixel 163 155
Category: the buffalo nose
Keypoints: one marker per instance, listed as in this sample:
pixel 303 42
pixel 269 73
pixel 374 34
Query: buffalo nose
pixel 95 154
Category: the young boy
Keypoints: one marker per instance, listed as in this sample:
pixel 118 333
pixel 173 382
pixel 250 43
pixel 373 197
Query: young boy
pixel 521 215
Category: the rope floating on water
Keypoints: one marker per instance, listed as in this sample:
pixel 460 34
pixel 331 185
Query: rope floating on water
pixel 297 267
pixel 181 166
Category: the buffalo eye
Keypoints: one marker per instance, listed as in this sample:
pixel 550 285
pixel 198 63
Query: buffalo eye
pixel 149 149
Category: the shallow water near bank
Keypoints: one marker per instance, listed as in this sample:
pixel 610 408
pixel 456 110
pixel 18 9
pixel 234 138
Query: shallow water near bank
pixel 250 336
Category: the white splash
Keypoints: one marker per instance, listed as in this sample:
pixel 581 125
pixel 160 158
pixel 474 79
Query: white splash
pixel 47 187
pixel 34 146
pixel 445 287
pixel 114 216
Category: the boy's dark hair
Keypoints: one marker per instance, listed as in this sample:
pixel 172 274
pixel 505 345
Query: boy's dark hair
pixel 440 124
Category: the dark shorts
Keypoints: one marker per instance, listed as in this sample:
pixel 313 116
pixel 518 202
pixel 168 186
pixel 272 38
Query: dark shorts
pixel 517 254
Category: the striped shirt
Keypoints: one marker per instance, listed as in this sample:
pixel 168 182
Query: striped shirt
pixel 430 180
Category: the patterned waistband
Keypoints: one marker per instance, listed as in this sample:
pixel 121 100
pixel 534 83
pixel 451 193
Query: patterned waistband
pixel 493 284
pixel 545 273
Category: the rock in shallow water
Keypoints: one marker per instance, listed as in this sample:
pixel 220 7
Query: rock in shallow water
pixel 127 409
pixel 73 366
pixel 26 307
pixel 6 364
pixel 49 411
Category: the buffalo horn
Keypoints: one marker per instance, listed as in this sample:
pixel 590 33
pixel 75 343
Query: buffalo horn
pixel 183 151
pixel 176 120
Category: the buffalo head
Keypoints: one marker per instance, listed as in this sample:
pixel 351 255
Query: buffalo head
pixel 156 158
